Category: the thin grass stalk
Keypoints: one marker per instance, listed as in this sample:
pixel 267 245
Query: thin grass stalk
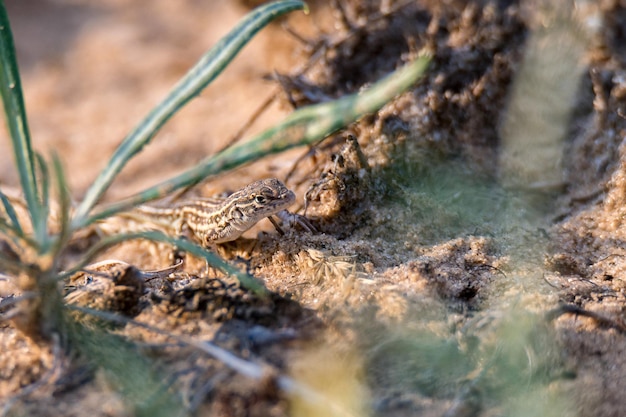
pixel 14 224
pixel 44 201
pixel 10 233
pixel 65 203
pixel 205 71
pixel 246 368
pixel 7 303
pixel 305 126
pixel 17 124
pixel 245 280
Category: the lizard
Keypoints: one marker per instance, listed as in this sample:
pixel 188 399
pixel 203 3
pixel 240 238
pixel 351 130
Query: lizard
pixel 224 219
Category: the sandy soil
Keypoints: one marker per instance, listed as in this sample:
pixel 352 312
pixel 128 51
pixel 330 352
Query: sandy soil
pixel 452 273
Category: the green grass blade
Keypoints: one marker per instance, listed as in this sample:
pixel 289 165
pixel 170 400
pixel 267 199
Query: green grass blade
pixel 15 115
pixel 139 380
pixel 304 126
pixel 245 280
pixel 40 224
pixel 209 67
pixel 65 203
pixel 44 175
pixel 10 211
pixel 9 232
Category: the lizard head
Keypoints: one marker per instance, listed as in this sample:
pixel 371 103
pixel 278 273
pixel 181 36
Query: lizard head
pixel 259 200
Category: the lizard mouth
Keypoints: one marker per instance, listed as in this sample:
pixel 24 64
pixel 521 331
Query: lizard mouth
pixel 288 197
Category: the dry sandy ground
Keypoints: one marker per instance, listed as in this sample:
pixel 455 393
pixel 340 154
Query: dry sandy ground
pixel 443 279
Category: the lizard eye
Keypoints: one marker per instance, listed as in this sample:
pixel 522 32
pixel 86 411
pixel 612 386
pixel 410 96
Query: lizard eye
pixel 259 199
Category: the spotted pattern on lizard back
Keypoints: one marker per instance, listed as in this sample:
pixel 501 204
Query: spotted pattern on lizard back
pixel 219 220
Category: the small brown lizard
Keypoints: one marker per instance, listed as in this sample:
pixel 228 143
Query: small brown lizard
pixel 219 220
